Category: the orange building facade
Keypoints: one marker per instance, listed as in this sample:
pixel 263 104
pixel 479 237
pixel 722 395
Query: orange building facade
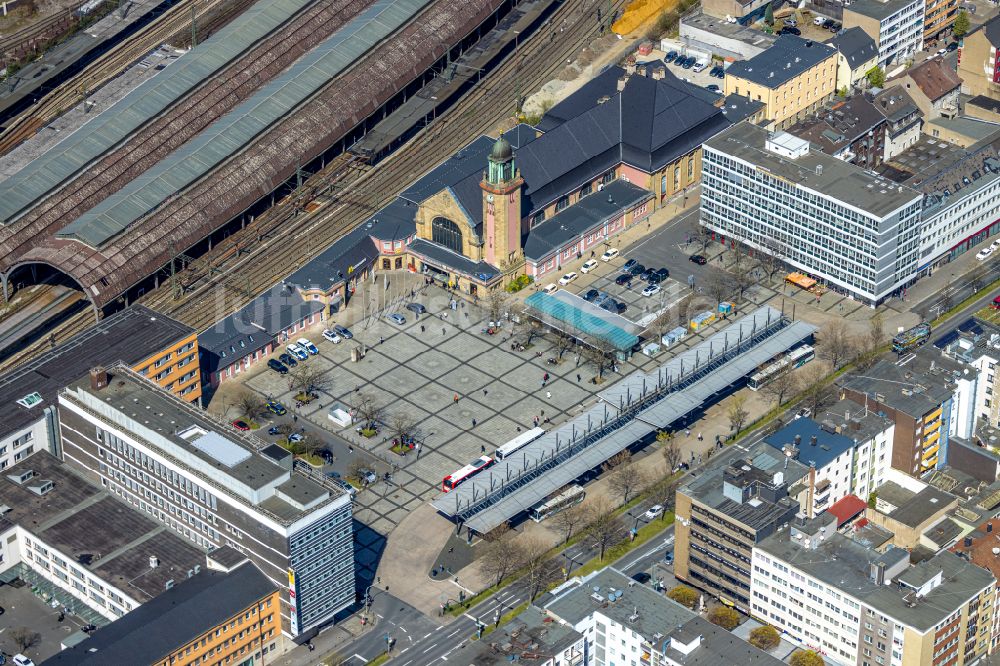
pixel 175 368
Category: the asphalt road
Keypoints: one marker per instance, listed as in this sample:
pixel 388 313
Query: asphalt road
pixel 957 291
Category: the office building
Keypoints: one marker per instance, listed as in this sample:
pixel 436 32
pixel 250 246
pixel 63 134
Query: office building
pixel 979 60
pixel 897 26
pixel 929 399
pixel 161 349
pixel 977 344
pixel 860 607
pixel 857 54
pixel 624 623
pixel 739 498
pixel 214 617
pixel 832 220
pixel 792 79
pixel 215 487
pixel 78 545
pixel 848 452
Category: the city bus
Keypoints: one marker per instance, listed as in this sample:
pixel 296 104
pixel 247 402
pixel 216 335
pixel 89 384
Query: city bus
pixel 567 498
pixel 518 443
pixel 475 467
pixel 790 361
pixel 911 338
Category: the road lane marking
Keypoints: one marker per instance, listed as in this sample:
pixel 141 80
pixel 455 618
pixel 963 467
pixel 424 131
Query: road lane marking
pixel 428 649
pixel 403 629
pixel 363 660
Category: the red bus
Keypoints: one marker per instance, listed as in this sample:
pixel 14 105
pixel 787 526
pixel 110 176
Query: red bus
pixel 470 470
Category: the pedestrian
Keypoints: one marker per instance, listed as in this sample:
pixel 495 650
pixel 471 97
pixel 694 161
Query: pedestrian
pixel 543 412
pixel 474 425
pixel 456 398
pixel 482 448
pixel 687 432
pixel 381 339
pixel 350 449
pixel 548 394
pixel 546 376
pixel 295 418
pixel 700 438
pixel 578 378
pixel 485 392
pixel 442 330
pixel 421 328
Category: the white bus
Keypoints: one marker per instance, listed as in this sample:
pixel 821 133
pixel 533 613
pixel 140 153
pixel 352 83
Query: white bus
pixel 567 498
pixel 794 359
pixel 518 443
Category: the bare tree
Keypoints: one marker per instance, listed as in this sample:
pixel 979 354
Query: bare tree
pixel 659 326
pixel 306 379
pixel 702 235
pixel 525 332
pixel 737 412
pixel 816 391
pixel 772 256
pixel 836 344
pixel 876 332
pixel 563 344
pixel 743 269
pixel 671 454
pixel 497 301
pixel 720 286
pixel 664 493
pixel 501 553
pixel 250 404
pixel 539 568
pixel 402 427
pixel 605 529
pixel 601 354
pixel 684 308
pixel 782 386
pixel 624 478
pixel 568 519
pixel 24 638
pixel 976 277
pixel 369 411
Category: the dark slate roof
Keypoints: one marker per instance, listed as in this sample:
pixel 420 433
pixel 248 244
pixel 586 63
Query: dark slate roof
pixel 131 335
pixel 351 253
pixel 469 161
pixel 583 100
pixel 878 9
pixel 787 58
pixel 649 124
pixel 895 103
pixel 984 102
pixel 992 31
pixel 587 213
pixel 173 619
pixel 829 445
pixel 439 254
pixel 839 124
pixel 855 45
pixel 253 327
pixel 739 107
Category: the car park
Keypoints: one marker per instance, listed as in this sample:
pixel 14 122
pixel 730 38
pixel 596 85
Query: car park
pixel 688 63
pixel 698 259
pixel 297 351
pixel 623 280
pixel 288 359
pixel 278 367
pixel 331 336
pixel 276 407
pixel 637 269
pixel 588 266
pixel 629 264
pixel 396 318
pixel 591 295
pixel 566 279
pixel 655 278
pixel 609 304
pixel 416 308
pixel 651 289
pixel 308 346
pixel 653 512
pixel 714 71
pixel 646 273
pixel 609 254
pixel 343 331
pixel 828 23
pixel 836 27
pixel 240 425
pixel 721 73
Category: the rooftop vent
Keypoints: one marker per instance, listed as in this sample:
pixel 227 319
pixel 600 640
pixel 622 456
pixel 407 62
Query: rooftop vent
pixel 22 477
pixel 154 561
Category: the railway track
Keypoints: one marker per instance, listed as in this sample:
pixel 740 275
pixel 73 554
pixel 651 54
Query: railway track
pixel 105 68
pixel 356 193
pixel 18 43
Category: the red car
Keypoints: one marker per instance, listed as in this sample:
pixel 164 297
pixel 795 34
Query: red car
pixel 241 425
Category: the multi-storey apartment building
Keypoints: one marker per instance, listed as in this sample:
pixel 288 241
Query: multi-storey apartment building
pixel 979 60
pixel 859 607
pixel 897 26
pixel 215 487
pixel 623 623
pixel 939 15
pixel 792 79
pixel 851 229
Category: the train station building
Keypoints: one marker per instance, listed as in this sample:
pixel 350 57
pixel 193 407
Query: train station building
pixel 536 197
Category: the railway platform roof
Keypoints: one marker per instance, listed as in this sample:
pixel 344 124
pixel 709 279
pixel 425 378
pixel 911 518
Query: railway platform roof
pixel 148 100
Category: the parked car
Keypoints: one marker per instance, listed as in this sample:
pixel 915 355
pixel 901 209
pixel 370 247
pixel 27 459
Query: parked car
pixel 791 22
pixel 588 265
pixel 287 359
pixel 591 295
pixel 348 488
pixel 297 351
pixel 295 437
pixel 273 430
pixel 828 23
pixel 241 425
pixel 549 288
pixel 367 475
pixel 715 71
pixel 789 31
pixel 343 331
pixel 836 27
pixel 653 512
pixel 642 577
pixel 655 277
pixel 698 259
pixel 601 298
pixel 713 87
pixel 984 253
pixel 623 279
pixel 953 46
pixel 699 66
pixel 646 273
pixel 609 254
pixel 610 304
pixel 21 660
pixel 651 289
pixel 721 74
pixel 663 273
pixel 566 279
pixel 688 63
pixel 276 407
pixel 941 52
pixel 669 557
pixel 416 308
pixel 819 20
pixel 331 336
pixel 670 57
pixel 620 306
pixel 629 264
pixel 308 346
pixel 637 269
pixel 396 318
pixel 278 367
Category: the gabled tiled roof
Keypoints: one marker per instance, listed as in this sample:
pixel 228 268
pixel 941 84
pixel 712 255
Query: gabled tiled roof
pixel 934 78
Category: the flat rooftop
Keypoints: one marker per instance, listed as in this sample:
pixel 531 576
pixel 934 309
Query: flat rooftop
pixel 530 639
pixel 229 460
pixel 878 9
pixel 815 171
pixel 95 530
pixel 697 18
pixel 921 506
pixel 916 388
pixel 846 566
pixel 131 336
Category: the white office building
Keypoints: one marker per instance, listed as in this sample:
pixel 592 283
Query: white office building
pixel 897 26
pixel 855 232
